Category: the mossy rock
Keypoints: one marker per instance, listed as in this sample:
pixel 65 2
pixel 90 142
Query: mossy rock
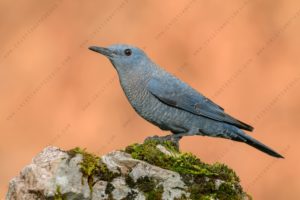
pixel 153 170
pixel 204 181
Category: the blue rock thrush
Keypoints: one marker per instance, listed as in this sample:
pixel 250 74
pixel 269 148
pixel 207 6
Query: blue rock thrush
pixel 171 104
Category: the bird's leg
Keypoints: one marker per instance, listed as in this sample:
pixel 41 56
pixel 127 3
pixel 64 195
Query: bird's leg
pixel 175 137
pixel 178 136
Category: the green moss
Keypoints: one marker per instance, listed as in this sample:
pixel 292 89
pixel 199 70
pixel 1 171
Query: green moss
pixel 91 166
pixel 227 191
pixel 208 197
pixel 105 174
pixel 90 162
pixel 145 184
pixel 129 181
pixel 149 187
pixel 207 191
pixel 224 173
pixel 155 194
pixel 58 195
pixel 198 176
pixel 183 163
pixel 170 146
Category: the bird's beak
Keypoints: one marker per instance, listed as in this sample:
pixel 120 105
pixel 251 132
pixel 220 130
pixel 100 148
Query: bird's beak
pixel 104 51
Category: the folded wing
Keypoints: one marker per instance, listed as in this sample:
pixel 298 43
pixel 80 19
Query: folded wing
pixel 173 92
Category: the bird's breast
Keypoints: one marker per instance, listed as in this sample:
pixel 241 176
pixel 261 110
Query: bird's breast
pixel 139 97
pixel 147 105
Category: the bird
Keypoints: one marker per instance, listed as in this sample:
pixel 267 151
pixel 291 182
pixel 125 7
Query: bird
pixel 171 104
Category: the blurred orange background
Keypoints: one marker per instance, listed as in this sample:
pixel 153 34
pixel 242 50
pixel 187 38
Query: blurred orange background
pixel 244 55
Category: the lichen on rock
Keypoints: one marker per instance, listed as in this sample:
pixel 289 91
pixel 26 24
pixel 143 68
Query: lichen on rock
pixel 153 170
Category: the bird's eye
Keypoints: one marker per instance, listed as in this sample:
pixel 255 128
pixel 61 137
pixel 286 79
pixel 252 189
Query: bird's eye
pixel 127 52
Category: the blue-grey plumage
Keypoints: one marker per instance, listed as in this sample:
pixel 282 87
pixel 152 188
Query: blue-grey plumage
pixel 171 104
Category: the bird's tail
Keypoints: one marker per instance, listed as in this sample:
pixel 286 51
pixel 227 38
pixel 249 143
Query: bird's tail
pixel 242 137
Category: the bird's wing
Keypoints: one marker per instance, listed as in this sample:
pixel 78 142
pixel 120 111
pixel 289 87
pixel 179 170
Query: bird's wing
pixel 173 92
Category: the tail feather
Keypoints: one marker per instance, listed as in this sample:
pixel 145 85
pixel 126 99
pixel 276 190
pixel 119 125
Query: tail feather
pixel 242 137
pixel 238 123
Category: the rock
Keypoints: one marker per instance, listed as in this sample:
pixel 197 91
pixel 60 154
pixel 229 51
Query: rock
pixel 150 171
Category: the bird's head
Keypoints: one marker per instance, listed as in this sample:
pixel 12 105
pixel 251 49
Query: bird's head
pixel 123 57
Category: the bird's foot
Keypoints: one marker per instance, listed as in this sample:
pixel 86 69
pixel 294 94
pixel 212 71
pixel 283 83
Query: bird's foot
pixel 172 138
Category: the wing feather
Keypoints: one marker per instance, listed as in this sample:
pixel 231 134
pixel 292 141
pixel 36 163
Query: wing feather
pixel 175 93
